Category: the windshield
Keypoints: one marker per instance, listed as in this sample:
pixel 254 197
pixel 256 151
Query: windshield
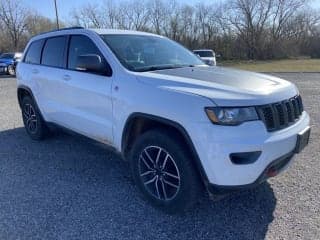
pixel 7 55
pixel 148 53
pixel 204 53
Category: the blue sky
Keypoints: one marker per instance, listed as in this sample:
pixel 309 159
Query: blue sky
pixel 46 7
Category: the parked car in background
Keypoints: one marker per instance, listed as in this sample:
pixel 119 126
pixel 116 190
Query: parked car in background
pixel 206 55
pixel 8 62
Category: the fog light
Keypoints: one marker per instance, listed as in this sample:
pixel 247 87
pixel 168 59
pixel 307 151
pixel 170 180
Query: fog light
pixel 244 157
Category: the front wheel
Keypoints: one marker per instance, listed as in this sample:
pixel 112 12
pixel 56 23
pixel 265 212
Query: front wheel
pixel 163 171
pixel 11 70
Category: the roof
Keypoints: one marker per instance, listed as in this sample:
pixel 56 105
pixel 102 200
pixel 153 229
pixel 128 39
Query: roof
pixel 119 31
pixel 79 30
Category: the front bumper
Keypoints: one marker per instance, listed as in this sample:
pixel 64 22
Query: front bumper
pixel 214 144
pixel 274 168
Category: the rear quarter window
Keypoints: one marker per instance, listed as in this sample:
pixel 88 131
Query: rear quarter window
pixel 33 55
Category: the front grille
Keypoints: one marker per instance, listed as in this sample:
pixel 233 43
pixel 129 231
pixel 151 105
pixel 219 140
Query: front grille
pixel 280 115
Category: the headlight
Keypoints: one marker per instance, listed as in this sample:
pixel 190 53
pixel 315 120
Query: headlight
pixel 230 115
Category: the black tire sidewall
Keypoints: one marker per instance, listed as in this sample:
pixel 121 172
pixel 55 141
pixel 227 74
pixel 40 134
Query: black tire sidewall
pixel 189 182
pixel 41 128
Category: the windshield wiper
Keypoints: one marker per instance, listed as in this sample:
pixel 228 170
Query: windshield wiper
pixel 160 67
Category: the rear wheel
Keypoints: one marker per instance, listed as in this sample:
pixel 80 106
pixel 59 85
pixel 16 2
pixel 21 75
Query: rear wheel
pixel 163 171
pixel 32 119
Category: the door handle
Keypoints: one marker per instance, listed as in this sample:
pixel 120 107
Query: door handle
pixel 35 71
pixel 66 77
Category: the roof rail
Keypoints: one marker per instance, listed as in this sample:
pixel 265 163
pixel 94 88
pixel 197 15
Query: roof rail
pixel 61 29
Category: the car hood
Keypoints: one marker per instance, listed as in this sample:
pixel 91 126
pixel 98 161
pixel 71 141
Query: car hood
pixel 224 86
pixel 6 60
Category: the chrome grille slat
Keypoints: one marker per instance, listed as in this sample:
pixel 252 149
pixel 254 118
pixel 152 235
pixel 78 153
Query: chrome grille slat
pixel 280 115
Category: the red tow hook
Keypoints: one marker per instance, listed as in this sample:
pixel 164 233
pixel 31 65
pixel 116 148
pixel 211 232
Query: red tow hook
pixel 271 172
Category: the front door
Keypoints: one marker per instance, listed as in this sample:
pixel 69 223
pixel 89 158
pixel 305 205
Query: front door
pixel 86 96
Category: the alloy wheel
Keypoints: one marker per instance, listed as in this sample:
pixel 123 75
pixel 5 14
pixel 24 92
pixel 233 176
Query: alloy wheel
pixel 30 117
pixel 11 70
pixel 159 173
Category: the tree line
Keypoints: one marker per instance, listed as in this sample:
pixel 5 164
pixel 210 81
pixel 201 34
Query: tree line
pixel 18 24
pixel 235 29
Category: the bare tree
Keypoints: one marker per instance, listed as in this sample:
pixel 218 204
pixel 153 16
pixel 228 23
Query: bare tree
pixel 158 10
pixel 283 11
pixel 249 17
pixel 13 17
pixel 89 16
pixel 4 39
pixel 110 8
pixel 135 13
pixel 209 23
pixel 36 24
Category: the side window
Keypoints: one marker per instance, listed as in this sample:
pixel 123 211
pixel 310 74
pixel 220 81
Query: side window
pixel 81 45
pixel 53 52
pixel 34 52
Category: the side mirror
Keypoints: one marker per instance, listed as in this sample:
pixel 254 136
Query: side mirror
pixel 93 63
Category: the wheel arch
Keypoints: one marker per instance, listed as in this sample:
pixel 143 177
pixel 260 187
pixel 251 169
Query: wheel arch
pixel 137 123
pixel 23 91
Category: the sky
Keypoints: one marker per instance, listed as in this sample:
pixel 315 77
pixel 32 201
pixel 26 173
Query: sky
pixel 46 7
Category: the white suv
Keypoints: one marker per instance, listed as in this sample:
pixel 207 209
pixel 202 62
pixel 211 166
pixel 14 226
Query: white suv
pixel 207 55
pixel 184 126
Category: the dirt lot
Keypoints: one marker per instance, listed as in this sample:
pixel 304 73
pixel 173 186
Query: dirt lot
pixel 69 187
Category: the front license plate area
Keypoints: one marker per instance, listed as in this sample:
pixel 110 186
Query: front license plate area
pixel 302 140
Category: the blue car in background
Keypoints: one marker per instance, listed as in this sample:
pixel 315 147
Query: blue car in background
pixel 8 62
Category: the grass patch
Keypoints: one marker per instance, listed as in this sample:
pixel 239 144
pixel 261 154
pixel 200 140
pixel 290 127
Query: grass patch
pixel 288 65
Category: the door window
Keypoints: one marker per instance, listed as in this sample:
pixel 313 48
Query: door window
pixel 53 52
pixel 82 45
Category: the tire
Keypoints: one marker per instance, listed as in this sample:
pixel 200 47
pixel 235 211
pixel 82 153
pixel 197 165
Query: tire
pixel 172 184
pixel 11 70
pixel 33 122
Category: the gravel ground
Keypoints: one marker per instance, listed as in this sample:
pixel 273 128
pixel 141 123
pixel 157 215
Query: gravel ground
pixel 69 187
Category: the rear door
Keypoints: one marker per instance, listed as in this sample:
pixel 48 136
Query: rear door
pixel 86 96
pixel 49 78
pixel 40 70
pixel 28 69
